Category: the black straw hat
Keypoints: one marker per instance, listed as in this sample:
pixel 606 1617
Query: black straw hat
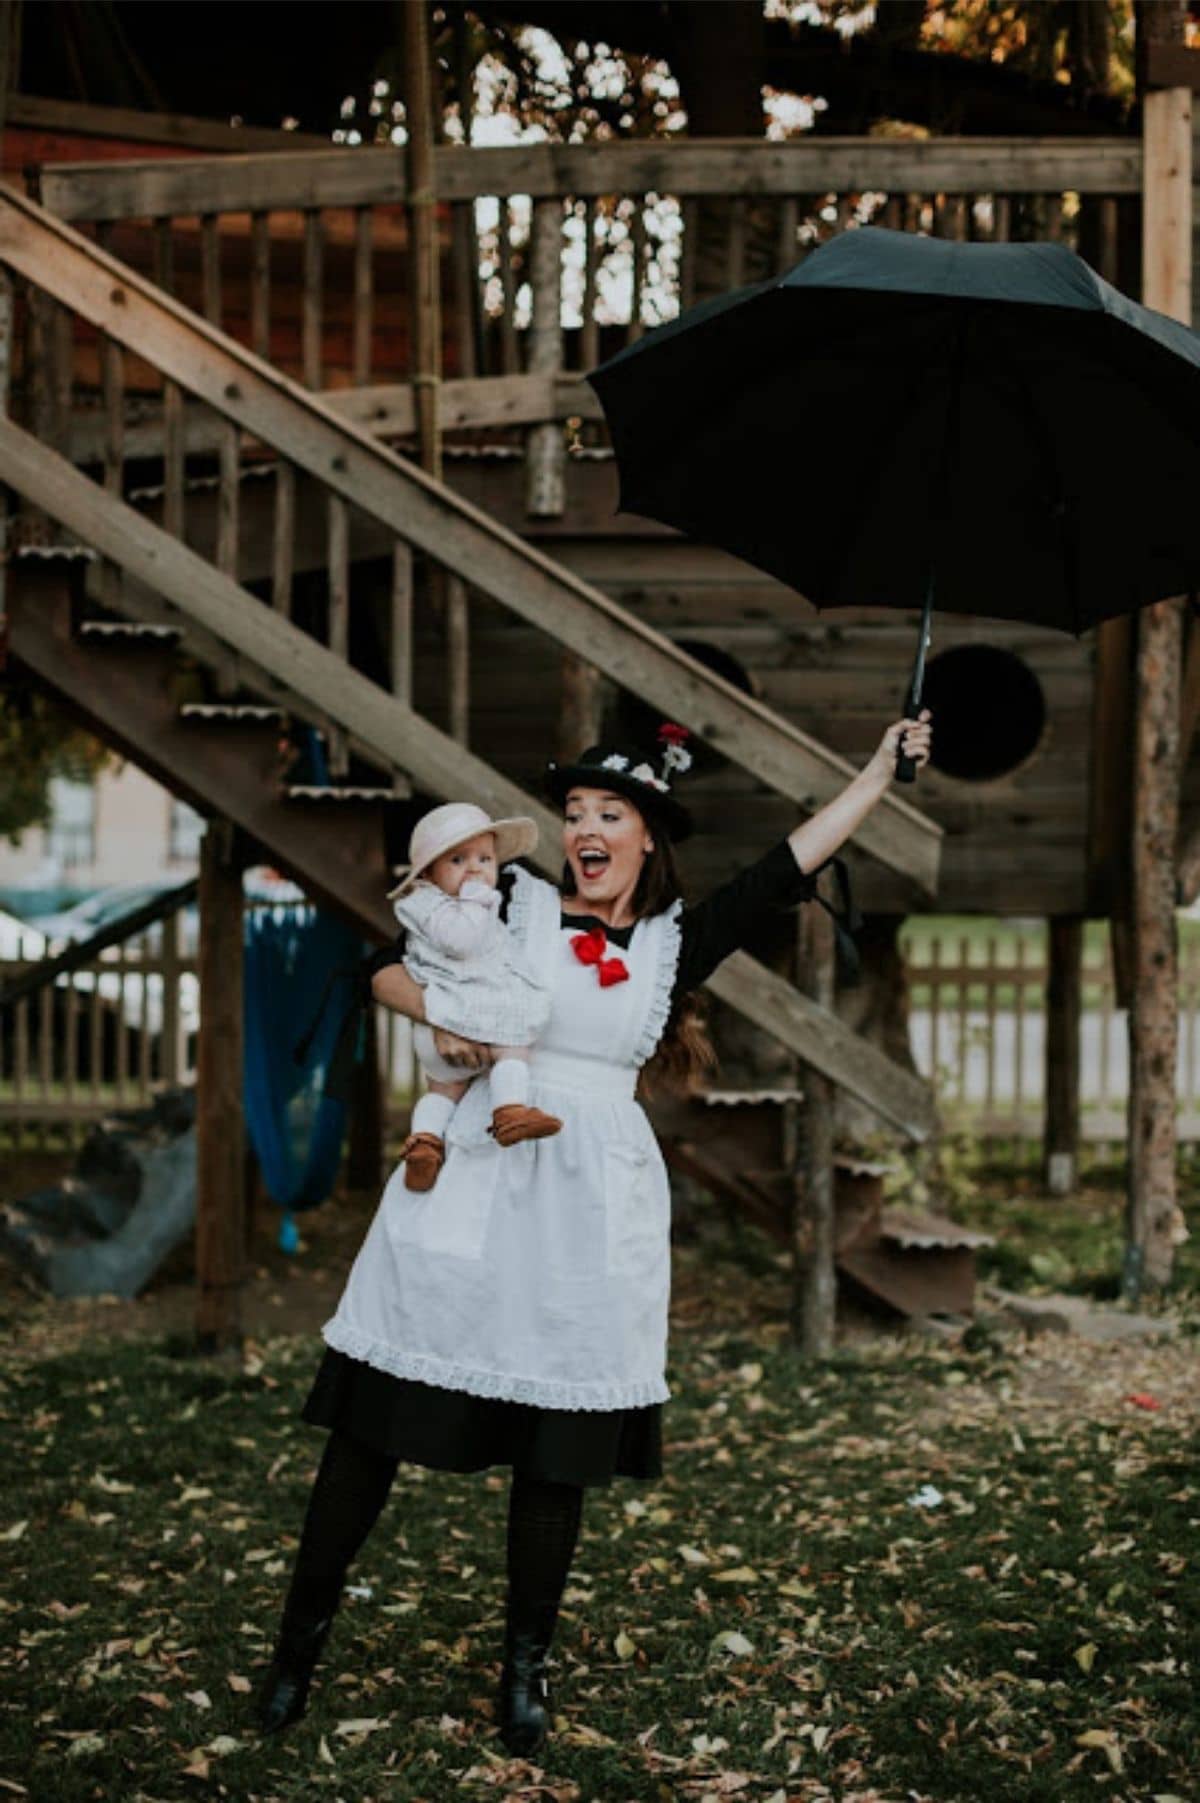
pixel 642 777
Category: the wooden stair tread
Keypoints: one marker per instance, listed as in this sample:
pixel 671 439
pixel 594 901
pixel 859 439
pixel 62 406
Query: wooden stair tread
pixel 230 710
pixel 340 792
pixel 128 631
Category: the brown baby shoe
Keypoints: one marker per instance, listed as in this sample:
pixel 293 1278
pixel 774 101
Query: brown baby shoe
pixel 516 1121
pixel 423 1155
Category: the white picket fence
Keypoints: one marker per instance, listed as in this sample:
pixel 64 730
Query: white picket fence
pixel 111 1034
pixel 977 1026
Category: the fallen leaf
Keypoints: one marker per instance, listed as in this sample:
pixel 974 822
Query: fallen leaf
pixel 732 1642
pixel 15 1531
pixel 624 1646
pixel 223 1744
pixel 236 1682
pixel 738 1574
pixel 85 1744
pixel 1085 1656
pixel 361 1724
pixel 200 1698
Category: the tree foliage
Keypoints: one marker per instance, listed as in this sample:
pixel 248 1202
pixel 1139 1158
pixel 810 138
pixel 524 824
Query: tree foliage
pixel 38 741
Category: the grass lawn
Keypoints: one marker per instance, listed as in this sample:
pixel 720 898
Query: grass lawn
pixel 773 1621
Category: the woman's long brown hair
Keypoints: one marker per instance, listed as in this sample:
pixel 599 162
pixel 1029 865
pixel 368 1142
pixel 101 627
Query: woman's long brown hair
pixel 685 1051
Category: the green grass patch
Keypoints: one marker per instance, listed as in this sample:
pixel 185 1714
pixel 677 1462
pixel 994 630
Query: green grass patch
pixel 773 1620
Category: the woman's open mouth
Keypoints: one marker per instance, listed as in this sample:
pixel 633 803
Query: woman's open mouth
pixel 593 864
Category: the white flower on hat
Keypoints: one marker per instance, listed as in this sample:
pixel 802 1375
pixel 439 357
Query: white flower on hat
pixel 642 773
pixel 676 758
pixel 615 762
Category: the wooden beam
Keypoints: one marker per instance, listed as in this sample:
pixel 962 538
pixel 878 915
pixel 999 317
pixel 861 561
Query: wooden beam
pixel 73 117
pixel 379 176
pixel 430 516
pixel 220 1159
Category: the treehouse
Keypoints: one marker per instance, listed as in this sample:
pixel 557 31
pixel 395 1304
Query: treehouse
pixel 314 497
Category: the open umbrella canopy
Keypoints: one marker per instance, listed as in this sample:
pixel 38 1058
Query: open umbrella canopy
pixel 898 415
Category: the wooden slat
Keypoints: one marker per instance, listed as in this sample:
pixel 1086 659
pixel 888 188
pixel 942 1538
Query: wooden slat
pixel 73 118
pixel 339 615
pixel 311 299
pixel 364 298
pixel 370 176
pixel 589 338
pixel 458 660
pixel 210 268
pixel 510 360
pixel 486 556
pixel 735 243
pixel 545 446
pixel 391 734
pixel 400 623
pixel 260 284
pixel 464 252
pixel 284 527
pixel 228 492
pixel 637 253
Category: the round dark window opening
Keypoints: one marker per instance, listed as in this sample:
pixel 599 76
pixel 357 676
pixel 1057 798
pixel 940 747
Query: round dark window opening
pixel 988 709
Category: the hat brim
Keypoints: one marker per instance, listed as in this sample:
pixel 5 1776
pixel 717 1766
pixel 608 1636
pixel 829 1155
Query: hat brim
pixel 516 837
pixel 562 778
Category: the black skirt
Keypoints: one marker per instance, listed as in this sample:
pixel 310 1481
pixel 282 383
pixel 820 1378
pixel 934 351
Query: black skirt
pixel 447 1430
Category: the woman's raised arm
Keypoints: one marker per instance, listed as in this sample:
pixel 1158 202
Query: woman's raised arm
pixel 816 839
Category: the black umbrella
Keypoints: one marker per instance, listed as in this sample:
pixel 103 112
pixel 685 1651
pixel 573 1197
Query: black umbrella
pixel 900 418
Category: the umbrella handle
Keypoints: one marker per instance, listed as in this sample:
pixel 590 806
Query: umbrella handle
pixel 906 769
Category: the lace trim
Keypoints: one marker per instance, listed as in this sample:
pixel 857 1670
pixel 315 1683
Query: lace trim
pixel 659 1008
pixel 423 1368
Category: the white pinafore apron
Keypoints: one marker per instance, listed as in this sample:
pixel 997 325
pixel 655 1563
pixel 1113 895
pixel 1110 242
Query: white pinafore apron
pixel 538 1273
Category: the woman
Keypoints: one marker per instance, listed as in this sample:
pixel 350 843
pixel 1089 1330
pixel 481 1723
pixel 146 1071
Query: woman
pixel 517 1312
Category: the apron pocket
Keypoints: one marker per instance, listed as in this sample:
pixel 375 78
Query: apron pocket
pixel 634 1230
pixel 452 1218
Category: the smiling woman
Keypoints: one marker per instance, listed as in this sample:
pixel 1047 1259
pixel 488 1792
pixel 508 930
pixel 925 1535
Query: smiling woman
pixel 516 1314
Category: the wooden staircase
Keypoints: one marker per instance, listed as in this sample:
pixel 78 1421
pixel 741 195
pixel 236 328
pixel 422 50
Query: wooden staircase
pixel 107 632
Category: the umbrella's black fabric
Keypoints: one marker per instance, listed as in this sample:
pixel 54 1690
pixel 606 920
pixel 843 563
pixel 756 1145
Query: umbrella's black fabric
pixel 897 409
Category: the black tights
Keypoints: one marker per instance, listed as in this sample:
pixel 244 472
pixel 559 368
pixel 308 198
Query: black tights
pixel 351 1487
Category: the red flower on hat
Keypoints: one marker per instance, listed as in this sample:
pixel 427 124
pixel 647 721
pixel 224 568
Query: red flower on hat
pixel 590 948
pixel 673 735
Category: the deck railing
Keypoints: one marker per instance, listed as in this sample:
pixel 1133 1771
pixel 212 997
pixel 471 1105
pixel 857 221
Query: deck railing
pixel 552 256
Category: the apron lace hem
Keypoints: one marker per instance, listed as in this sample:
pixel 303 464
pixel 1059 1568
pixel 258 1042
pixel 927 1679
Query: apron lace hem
pixel 539 1392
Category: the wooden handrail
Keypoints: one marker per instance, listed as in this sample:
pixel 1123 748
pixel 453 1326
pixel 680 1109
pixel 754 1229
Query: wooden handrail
pixel 465 540
pixel 377 176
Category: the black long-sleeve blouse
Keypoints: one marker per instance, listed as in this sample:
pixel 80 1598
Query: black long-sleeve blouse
pixel 710 929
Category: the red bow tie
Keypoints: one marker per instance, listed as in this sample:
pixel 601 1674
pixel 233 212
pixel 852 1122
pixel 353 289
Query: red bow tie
pixel 590 948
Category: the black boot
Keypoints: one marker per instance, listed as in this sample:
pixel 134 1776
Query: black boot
pixel 524 1709
pixel 283 1694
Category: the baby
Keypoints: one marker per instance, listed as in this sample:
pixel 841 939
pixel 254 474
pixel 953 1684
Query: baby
pixel 477 983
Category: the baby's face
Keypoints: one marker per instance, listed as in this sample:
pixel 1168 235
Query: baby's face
pixel 474 858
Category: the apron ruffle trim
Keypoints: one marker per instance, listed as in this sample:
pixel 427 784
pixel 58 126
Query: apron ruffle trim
pixel 539 1392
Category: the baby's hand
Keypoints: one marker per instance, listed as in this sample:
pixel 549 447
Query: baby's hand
pixel 474 890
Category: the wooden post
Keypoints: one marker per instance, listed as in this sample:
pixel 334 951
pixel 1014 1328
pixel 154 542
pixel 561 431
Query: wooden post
pixel 1064 988
pixel 814 1276
pixel 422 202
pixel 1153 1220
pixel 220 1165
pixel 581 707
pixel 545 445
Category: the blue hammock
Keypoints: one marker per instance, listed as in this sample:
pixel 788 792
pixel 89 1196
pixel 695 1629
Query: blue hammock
pixel 293 955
